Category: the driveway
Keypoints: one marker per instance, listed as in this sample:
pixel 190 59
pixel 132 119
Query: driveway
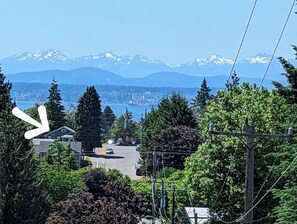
pixel 123 159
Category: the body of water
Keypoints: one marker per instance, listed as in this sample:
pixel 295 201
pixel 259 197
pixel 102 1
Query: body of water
pixel 118 109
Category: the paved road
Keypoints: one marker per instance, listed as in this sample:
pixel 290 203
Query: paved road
pixel 123 159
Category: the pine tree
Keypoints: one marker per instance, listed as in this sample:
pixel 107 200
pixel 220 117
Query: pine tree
pixel 289 92
pixel 202 96
pixel 234 81
pixel 108 118
pixel 88 120
pixel 124 127
pixel 21 200
pixel 54 107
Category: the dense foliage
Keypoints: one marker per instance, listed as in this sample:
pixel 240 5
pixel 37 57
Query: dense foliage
pixel 54 108
pixel 173 111
pixel 21 200
pixel 289 92
pixel 217 169
pixel 202 96
pixel 57 181
pixel 108 118
pixel 60 154
pixel 88 120
pixel 233 83
pixel 125 128
pixel 173 145
pixel 110 199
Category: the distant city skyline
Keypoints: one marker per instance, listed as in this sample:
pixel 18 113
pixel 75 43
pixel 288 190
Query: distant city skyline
pixel 171 31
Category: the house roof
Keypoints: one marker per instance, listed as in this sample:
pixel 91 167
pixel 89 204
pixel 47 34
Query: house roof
pixel 65 127
pixel 44 145
pixel 36 141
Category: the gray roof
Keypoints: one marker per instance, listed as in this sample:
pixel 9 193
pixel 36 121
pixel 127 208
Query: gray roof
pixel 69 129
pixel 44 145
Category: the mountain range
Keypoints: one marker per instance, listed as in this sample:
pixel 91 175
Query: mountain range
pixel 113 69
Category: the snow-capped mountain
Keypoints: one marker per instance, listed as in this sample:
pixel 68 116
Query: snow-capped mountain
pixel 218 60
pixel 51 55
pixel 138 65
pixel 259 58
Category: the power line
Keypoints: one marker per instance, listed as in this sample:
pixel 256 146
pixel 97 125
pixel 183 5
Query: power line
pixel 279 39
pixel 265 181
pixel 239 219
pixel 242 40
pixel 283 173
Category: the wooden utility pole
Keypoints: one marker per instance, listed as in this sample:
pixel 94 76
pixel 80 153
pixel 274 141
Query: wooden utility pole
pixel 153 178
pixel 249 175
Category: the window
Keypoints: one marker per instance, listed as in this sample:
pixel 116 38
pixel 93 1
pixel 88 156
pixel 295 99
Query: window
pixel 63 130
pixel 49 137
pixel 58 137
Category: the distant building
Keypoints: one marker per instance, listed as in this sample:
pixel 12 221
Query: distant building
pixel 64 134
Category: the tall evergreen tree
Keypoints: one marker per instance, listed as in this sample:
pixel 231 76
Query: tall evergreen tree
pixel 289 92
pixel 202 96
pixel 21 200
pixel 88 120
pixel 173 111
pixel 234 81
pixel 55 109
pixel 108 118
pixel 124 127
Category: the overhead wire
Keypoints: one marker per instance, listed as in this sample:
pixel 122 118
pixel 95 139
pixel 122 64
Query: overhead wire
pixel 240 218
pixel 266 71
pixel 242 40
pixel 265 180
pixel 232 69
pixel 278 41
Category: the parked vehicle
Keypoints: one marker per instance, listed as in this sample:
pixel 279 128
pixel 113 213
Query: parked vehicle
pixel 138 167
pixel 109 151
pixel 138 147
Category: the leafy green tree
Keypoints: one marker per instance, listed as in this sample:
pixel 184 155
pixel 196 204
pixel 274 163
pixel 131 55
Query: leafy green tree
pixel 124 127
pixel 88 120
pixel 177 143
pixel 216 171
pixel 71 120
pixel 173 111
pixel 110 200
pixel 289 92
pixel 82 208
pixel 61 154
pixel 108 118
pixel 21 200
pixel 57 181
pixel 286 191
pixel 234 81
pixel 202 96
pixel 33 112
pixel 54 108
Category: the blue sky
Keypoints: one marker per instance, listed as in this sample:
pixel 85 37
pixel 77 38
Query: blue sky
pixel 174 31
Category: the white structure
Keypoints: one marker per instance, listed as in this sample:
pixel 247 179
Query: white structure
pixel 199 213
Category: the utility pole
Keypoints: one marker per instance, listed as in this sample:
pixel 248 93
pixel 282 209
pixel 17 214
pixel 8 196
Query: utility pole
pixel 249 174
pixel 153 178
pixel 173 205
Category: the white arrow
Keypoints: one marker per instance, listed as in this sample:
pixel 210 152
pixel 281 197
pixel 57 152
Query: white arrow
pixel 41 128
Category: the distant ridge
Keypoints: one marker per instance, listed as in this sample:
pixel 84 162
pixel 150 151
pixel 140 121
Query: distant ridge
pixel 96 76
